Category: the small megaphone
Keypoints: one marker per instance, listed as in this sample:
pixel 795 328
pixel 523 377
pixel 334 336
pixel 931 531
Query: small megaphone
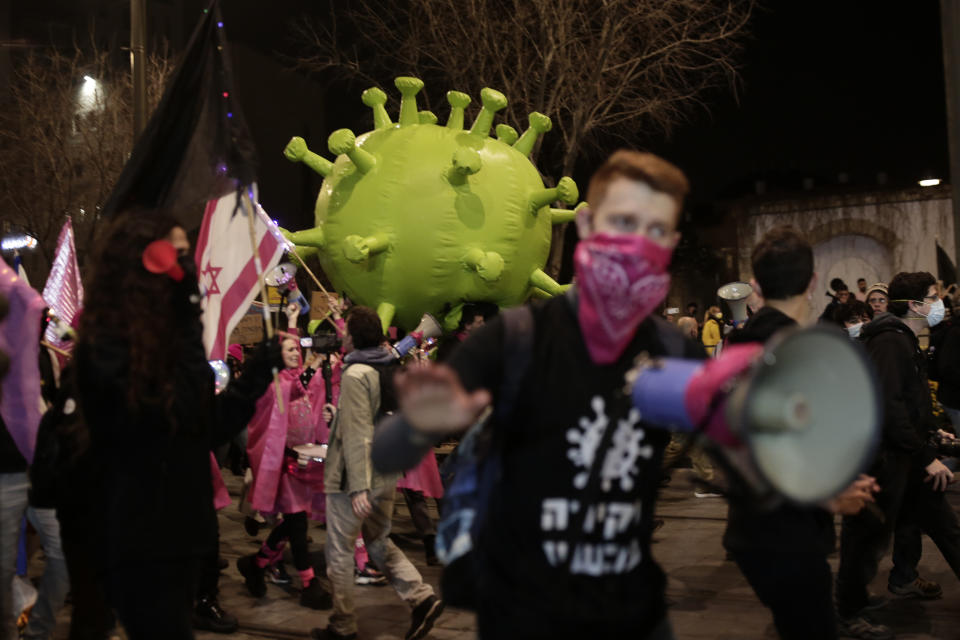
pixel 161 257
pixel 428 328
pixel 799 418
pixel 735 294
pixel 283 277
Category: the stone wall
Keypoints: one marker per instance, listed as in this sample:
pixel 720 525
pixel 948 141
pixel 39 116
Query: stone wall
pixel 869 235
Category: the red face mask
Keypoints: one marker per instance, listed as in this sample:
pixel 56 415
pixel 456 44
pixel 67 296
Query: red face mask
pixel 620 280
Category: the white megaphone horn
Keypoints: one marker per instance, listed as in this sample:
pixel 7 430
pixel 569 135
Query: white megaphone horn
pixel 801 421
pixel 428 328
pixel 283 277
pixel 735 294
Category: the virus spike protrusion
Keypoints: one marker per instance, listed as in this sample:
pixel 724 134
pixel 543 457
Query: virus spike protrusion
pixel 409 88
pixel 466 162
pixel 487 264
pixel 375 98
pixel 297 151
pixel 306 238
pixel 541 280
pixel 539 125
pixel 493 101
pixel 566 191
pixel 506 134
pixel 359 249
pixel 343 141
pixel 458 102
pixel 386 311
pixel 559 216
pixel 427 117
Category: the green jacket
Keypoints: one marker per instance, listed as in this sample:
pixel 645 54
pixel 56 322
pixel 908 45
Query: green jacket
pixel 348 468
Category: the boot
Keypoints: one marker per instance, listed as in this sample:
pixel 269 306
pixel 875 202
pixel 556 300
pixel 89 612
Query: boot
pixel 253 576
pixel 210 617
pixel 314 596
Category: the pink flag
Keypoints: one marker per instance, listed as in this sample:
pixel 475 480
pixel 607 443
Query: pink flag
pixel 20 400
pixel 225 264
pixel 63 292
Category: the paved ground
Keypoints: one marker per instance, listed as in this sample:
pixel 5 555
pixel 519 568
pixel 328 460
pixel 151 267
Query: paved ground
pixel 709 598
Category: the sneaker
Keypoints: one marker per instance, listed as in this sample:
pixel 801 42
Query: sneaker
pixel 329 634
pixel 424 615
pixel 919 588
pixel 369 577
pixel 314 596
pixel 277 574
pixel 252 575
pixel 706 494
pixel 860 627
pixel 251 526
pixel 210 617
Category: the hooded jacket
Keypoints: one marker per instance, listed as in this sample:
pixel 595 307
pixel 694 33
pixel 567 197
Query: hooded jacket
pixel 902 372
pixel 348 468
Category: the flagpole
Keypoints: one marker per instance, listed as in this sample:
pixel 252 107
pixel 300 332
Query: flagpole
pixel 327 317
pixel 248 207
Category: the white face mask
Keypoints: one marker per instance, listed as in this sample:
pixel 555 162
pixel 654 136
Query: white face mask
pixel 937 311
pixel 854 330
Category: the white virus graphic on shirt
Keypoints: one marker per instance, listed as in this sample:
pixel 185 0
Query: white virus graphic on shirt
pixel 625 450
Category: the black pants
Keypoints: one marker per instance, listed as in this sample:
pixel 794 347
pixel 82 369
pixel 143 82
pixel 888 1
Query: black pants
pixel 864 537
pixel 91 617
pixel 208 581
pixel 154 597
pixel 419 513
pixel 923 511
pixel 293 528
pixel 797 588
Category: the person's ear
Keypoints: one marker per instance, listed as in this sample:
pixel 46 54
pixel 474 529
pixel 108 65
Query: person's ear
pixel 584 221
pixel 756 287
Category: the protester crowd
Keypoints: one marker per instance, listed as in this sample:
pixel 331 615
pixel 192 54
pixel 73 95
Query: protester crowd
pixel 326 430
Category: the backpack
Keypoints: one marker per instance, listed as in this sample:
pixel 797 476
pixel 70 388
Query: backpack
pixel 471 473
pixel 388 391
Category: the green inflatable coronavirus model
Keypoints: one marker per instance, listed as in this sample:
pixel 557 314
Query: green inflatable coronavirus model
pixel 414 217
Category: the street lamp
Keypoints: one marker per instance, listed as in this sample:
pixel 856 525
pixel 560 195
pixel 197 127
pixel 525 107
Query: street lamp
pixel 929 182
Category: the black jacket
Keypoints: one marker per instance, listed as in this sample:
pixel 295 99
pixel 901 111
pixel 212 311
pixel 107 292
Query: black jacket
pixel 786 528
pixel 946 361
pixel 152 494
pixel 902 372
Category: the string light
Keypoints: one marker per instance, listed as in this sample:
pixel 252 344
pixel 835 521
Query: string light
pixel 18 241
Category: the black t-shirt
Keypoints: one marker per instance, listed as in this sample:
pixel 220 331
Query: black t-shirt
pixel 613 586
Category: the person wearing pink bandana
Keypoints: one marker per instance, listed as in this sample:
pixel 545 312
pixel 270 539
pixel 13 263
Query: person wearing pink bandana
pixel 541 569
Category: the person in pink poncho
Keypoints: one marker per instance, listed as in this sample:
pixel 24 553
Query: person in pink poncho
pixel 279 484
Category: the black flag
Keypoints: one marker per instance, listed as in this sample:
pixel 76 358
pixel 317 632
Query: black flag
pixel 196 146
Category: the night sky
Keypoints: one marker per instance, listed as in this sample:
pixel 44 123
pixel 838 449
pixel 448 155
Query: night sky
pixel 826 87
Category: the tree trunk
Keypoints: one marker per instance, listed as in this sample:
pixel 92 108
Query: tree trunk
pixel 555 260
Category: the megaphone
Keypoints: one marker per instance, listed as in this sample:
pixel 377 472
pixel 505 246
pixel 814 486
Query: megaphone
pixel 161 257
pixel 428 328
pixel 799 418
pixel 735 294
pixel 283 277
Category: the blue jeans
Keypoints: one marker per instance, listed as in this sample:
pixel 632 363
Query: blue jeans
pixel 55 582
pixel 13 505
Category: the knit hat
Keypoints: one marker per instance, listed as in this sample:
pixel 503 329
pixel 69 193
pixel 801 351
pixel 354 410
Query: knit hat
pixel 236 351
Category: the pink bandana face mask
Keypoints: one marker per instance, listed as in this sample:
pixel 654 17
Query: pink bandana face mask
pixel 620 280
